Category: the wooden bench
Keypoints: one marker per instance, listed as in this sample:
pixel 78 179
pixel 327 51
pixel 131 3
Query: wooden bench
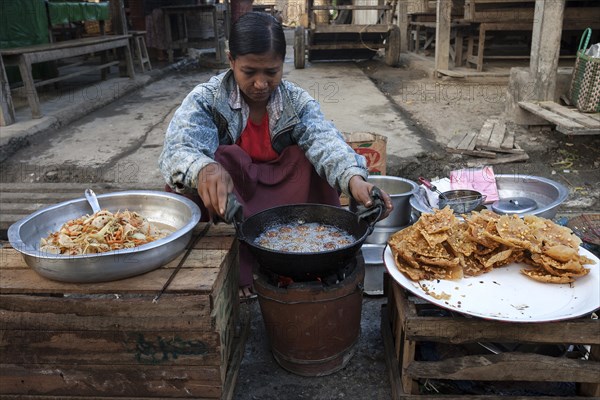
pixel 25 57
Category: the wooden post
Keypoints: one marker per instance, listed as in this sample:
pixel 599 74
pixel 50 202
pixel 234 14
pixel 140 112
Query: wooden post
pixel 545 47
pixel 403 24
pixel 7 110
pixel 442 34
pixel 117 17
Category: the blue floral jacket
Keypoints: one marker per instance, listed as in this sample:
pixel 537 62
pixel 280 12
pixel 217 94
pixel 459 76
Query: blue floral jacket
pixel 211 115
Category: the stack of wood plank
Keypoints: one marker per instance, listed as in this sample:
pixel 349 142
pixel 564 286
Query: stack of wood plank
pixel 494 143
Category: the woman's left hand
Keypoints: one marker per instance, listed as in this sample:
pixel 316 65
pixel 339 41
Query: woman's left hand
pixel 361 192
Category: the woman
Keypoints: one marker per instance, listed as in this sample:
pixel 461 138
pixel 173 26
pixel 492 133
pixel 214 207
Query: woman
pixel 249 132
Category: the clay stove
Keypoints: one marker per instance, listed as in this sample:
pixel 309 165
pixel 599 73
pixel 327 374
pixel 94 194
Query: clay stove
pixel 313 327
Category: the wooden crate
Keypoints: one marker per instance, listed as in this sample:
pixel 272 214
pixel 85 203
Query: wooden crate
pixel 404 328
pixel 111 340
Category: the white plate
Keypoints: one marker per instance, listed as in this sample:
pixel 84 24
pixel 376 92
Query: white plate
pixel 507 295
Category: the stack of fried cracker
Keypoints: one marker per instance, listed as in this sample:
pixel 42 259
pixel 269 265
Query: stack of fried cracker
pixel 440 246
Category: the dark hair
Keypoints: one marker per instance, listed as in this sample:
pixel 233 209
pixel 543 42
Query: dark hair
pixel 256 33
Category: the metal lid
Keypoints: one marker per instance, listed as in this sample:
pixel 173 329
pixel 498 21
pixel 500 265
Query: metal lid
pixel 514 205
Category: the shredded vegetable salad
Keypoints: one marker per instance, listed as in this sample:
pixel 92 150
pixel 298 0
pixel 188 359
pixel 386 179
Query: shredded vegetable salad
pixel 101 232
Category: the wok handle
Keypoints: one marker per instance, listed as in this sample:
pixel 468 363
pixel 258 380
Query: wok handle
pixel 234 214
pixel 376 209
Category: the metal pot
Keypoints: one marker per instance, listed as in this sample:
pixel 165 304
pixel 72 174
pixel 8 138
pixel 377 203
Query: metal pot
pixel 400 191
pixel 305 266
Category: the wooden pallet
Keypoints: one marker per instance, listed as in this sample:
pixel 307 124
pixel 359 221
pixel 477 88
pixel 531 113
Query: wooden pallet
pixel 568 120
pixel 494 143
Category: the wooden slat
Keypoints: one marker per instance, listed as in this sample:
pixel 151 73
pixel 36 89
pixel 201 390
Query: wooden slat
pixel 475 153
pixel 77 73
pixel 197 276
pixel 7 109
pixel 468 141
pixel 362 29
pixel 508 367
pixel 472 74
pixel 595 116
pixel 497 135
pixel 509 140
pixel 499 160
pixel 460 330
pixel 456 139
pixel 486 132
pixel 75 313
pixel 124 348
pixel 64 44
pixel 571 113
pixel 110 381
pixel 390 361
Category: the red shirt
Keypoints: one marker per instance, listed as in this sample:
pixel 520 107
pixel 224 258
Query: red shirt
pixel 256 141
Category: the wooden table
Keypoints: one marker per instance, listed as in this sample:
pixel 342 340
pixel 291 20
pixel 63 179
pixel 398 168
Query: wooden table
pixel 25 57
pixel 184 41
pixel 104 340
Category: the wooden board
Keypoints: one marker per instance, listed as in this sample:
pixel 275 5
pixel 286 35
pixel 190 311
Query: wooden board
pixel 567 120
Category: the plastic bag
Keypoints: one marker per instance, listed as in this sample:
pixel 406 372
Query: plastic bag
pixel 593 51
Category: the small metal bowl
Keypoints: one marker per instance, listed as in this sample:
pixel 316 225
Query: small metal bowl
pixel 168 209
pixel 461 201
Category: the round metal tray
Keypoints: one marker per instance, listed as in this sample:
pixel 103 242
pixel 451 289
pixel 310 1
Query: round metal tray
pixel 548 194
pixel 168 209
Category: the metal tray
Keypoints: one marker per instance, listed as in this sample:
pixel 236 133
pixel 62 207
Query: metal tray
pixel 169 209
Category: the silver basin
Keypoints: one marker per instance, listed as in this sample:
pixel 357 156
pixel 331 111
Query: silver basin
pixel 168 209
pixel 548 194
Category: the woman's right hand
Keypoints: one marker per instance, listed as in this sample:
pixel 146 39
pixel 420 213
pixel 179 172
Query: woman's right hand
pixel 214 184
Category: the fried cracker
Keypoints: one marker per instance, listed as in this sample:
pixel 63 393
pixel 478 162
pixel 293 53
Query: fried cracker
pixel 542 276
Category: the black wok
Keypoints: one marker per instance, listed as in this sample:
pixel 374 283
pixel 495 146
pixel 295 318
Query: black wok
pixel 305 266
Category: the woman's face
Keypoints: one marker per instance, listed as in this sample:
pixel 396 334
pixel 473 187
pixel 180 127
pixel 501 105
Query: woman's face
pixel 257 75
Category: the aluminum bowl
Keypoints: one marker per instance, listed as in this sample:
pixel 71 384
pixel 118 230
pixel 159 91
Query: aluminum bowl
pixel 548 194
pixel 168 209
